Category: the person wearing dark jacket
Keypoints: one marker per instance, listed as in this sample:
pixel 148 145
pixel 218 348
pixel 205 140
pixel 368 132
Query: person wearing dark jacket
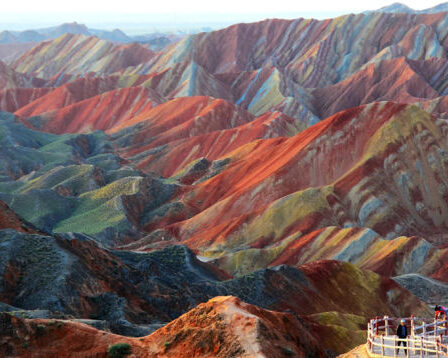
pixel 402 333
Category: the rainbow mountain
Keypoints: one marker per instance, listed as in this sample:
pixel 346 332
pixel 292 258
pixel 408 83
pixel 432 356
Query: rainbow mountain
pixel 298 165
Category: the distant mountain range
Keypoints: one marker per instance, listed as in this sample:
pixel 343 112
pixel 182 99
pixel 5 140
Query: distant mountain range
pixel 156 41
pixel 402 8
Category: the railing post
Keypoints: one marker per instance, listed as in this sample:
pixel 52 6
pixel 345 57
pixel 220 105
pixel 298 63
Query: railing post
pixel 437 347
pixel 435 328
pixel 369 336
pixel 395 346
pixel 421 345
pixel 407 347
pixel 412 326
pixel 414 351
pixel 386 325
pixel 382 345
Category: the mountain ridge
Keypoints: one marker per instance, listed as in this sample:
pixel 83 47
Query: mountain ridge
pixel 402 8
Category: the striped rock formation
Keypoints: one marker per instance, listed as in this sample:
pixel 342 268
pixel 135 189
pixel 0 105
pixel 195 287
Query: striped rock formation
pixel 79 54
pixel 360 246
pixel 13 79
pixel 101 112
pixel 385 142
pixel 393 182
pixel 169 137
pixel 279 62
pixel 289 66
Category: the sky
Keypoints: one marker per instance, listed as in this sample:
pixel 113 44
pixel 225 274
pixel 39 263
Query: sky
pixel 143 15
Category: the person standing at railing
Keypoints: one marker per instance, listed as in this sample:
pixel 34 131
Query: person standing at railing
pixel 402 333
pixel 440 312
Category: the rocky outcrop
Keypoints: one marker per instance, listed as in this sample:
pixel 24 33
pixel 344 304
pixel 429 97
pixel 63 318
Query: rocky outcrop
pixel 226 326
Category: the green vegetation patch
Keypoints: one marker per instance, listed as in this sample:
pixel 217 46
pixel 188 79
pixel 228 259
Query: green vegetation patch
pixel 119 350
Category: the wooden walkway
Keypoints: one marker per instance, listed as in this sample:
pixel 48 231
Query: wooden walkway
pixel 414 350
pixel 429 339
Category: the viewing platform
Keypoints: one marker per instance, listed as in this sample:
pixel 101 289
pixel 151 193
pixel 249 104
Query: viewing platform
pixel 426 338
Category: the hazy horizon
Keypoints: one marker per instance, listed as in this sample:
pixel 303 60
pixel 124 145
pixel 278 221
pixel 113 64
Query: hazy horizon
pixel 134 24
pixel 182 19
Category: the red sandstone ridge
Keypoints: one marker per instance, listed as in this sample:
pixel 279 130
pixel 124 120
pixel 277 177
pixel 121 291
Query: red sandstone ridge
pixel 401 80
pixel 212 145
pixel 101 112
pixel 222 327
pixel 178 123
pixel 186 116
pixel 67 94
pixel 56 339
pixel 13 99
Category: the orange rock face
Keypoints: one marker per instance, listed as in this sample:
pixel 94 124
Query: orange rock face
pixel 222 327
pixel 95 113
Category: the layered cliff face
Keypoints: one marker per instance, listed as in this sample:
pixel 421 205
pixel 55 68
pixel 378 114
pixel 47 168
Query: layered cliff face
pixel 299 166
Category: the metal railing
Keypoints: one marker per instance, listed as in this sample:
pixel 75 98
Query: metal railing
pixel 426 339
